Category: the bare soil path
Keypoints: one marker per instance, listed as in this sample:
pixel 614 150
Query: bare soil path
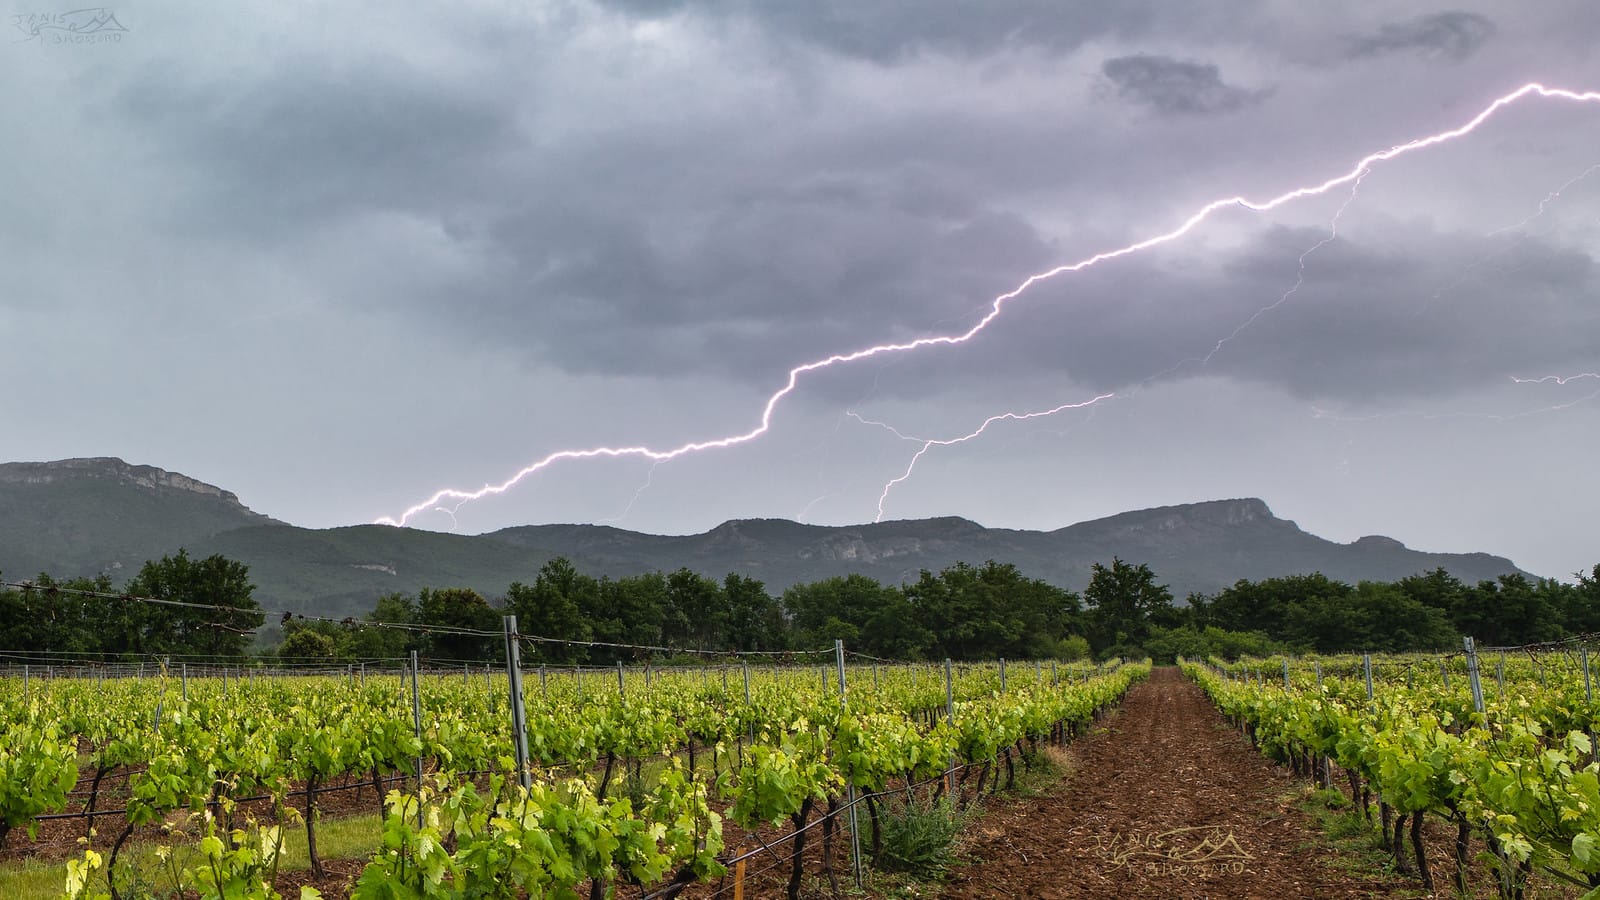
pixel 1163 800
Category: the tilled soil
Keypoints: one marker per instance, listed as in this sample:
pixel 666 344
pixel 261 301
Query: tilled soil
pixel 1163 800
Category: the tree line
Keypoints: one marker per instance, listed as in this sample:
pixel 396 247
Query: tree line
pixel 963 612
pixel 65 617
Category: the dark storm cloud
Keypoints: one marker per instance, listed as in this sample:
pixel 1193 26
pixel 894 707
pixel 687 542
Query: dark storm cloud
pixel 318 139
pixel 890 30
pixel 759 285
pixel 1414 313
pixel 701 246
pixel 1448 36
pixel 1176 86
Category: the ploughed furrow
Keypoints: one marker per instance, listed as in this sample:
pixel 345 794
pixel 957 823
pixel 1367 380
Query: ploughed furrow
pixel 1163 800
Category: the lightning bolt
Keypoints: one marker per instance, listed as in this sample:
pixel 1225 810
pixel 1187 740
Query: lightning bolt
pixel 806 510
pixel 1558 379
pixel 1469 271
pixel 929 444
pixel 1299 281
pixel 649 478
pixel 1300 275
pixel 997 305
pixel 1549 198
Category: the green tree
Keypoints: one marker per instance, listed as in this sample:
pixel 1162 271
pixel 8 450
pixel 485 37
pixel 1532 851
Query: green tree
pixel 1121 600
pixel 1581 609
pixel 556 605
pixel 1396 621
pixel 1507 612
pixel 962 610
pixel 306 645
pixel 53 616
pixel 454 611
pixel 1265 605
pixel 833 609
pixel 981 612
pixel 628 611
pixel 697 612
pixel 755 620
pixel 221 622
pixel 363 640
pixel 1437 589
pixel 893 630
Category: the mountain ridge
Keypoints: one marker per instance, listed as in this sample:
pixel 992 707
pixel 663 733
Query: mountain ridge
pixel 88 516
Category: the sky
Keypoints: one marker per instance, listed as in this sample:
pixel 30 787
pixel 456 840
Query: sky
pixel 338 258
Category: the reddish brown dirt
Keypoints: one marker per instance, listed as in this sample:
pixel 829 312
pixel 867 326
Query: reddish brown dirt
pixel 1163 800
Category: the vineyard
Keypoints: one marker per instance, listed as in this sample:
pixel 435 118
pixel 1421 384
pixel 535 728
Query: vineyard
pixel 1497 747
pixel 731 779
pixel 652 781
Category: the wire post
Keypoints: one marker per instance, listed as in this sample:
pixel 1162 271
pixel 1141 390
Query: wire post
pixel 1318 664
pixel 1472 674
pixel 1286 673
pixel 183 676
pixel 1002 674
pixel 1500 676
pixel 750 720
pixel 850 785
pixel 1366 663
pixel 950 719
pixel 620 690
pixel 1053 679
pixel 416 720
pixel 1444 670
pixel 1588 697
pixel 519 720
pixel 543 690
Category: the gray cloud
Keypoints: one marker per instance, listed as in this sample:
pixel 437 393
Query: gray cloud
pixel 1170 85
pixel 317 141
pixel 757 286
pixel 1446 36
pixel 1407 312
pixel 888 31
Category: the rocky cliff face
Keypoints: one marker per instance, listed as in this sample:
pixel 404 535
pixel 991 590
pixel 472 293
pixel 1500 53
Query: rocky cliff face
pixel 76 517
pixel 112 469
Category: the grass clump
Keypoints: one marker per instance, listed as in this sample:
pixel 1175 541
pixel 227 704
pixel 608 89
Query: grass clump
pixel 916 837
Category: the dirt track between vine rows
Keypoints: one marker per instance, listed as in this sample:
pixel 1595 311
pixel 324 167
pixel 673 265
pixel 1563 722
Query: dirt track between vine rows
pixel 1162 800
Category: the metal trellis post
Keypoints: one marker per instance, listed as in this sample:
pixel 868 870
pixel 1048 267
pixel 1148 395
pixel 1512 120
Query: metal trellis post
pixel 850 786
pixel 1472 673
pixel 416 720
pixel 519 715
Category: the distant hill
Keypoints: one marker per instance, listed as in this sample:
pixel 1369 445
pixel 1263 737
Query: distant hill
pixel 87 516
pixel 83 517
pixel 1194 547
